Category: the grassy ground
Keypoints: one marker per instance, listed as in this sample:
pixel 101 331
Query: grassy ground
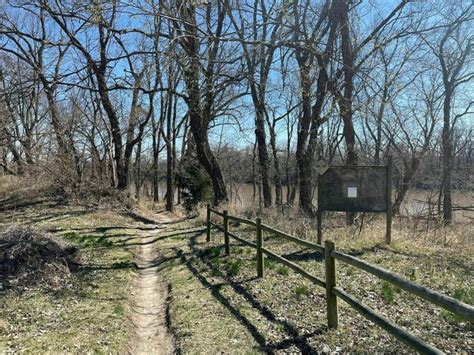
pixel 218 304
pixel 85 312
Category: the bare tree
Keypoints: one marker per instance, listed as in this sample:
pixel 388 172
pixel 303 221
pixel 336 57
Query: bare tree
pixel 259 28
pixel 35 46
pixel 207 85
pixel 453 46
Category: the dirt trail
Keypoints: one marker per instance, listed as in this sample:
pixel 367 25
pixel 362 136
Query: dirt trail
pixel 149 333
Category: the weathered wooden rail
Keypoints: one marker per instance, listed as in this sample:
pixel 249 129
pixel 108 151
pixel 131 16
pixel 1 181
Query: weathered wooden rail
pixel 333 292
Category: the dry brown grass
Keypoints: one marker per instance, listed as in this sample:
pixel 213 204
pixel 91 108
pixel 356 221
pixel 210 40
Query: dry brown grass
pixel 87 312
pixel 217 303
pixel 412 227
pixel 422 250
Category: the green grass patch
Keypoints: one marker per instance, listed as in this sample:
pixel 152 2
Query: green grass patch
pixel 233 268
pixel 212 253
pixel 268 263
pixel 282 270
pixel 88 240
pixel 301 290
pixel 388 292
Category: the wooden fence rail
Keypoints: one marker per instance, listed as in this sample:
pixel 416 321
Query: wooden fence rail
pixel 242 220
pixel 451 304
pixel 333 292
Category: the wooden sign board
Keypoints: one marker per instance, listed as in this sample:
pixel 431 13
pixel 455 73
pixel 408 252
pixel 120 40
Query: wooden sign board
pixel 356 189
pixel 353 189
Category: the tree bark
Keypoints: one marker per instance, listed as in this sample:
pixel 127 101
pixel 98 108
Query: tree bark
pixel 447 157
pixel 410 170
pixel 199 118
pixel 138 170
pixel 156 140
pixel 169 155
pixel 263 157
pixel 276 165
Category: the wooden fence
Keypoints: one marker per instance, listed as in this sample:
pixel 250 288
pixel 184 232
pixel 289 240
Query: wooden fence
pixel 333 291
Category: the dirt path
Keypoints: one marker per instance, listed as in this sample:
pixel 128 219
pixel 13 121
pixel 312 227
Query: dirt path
pixel 149 333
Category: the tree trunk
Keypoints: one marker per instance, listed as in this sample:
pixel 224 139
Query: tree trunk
pixel 156 137
pixel 305 181
pixel 199 118
pixel 121 168
pixel 447 158
pixel 410 170
pixel 263 157
pixel 169 156
pixel 276 165
pixel 138 172
pixel 207 158
pixel 380 114
pixel 345 101
pixel 304 144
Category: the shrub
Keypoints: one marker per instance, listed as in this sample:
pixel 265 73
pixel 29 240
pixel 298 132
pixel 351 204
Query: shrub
pixel 30 258
pixel 193 180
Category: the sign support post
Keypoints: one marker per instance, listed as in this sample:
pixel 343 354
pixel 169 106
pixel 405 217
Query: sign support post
pixel 388 235
pixel 319 222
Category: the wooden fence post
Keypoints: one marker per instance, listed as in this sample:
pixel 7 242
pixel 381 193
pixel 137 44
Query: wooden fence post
pixel 331 298
pixel 226 233
pixel 208 218
pixel 388 234
pixel 259 247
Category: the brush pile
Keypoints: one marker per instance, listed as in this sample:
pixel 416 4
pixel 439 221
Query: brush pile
pixel 32 259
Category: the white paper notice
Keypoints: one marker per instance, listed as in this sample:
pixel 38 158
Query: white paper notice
pixel 352 192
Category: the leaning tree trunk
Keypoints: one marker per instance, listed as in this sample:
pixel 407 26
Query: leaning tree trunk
pixel 120 166
pixel 207 159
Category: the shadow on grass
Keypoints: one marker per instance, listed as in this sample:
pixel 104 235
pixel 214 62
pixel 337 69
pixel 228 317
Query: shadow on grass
pixel 104 229
pixel 155 239
pixel 295 338
pixel 14 205
pixel 216 293
pixel 304 255
pixel 55 216
pixel 114 266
